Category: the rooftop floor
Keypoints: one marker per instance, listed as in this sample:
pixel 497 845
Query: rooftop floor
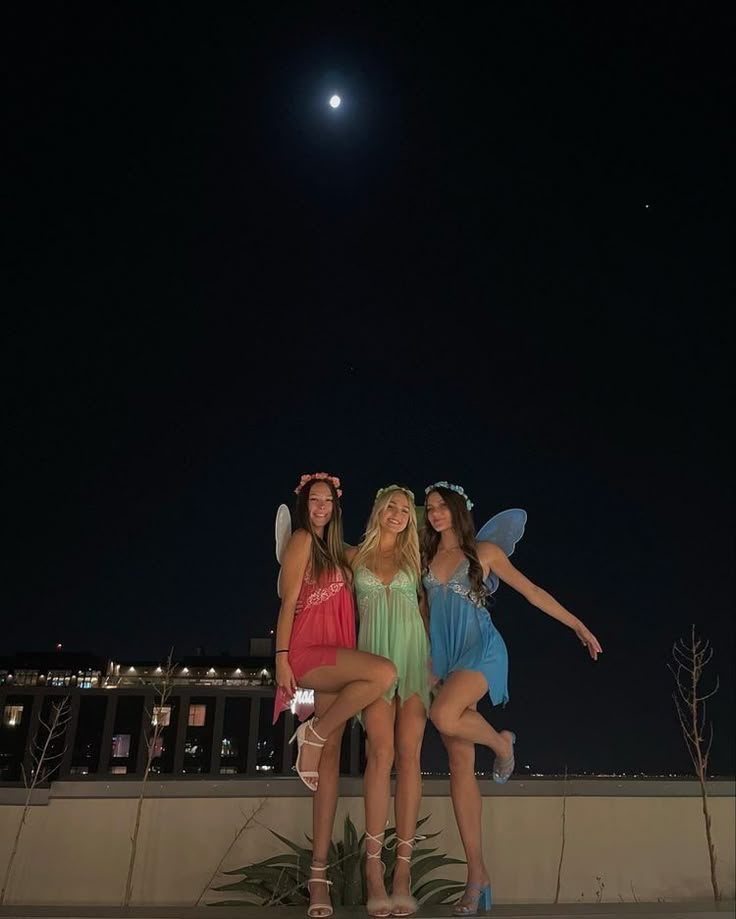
pixel 682 910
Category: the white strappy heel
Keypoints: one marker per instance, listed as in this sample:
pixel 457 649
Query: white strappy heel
pixel 404 904
pixel 379 907
pixel 319 910
pixel 310 779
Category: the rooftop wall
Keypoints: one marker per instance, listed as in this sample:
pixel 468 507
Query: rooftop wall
pixel 625 839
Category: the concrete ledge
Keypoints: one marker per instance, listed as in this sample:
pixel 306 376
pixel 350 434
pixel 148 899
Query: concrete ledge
pixel 282 787
pixel 39 796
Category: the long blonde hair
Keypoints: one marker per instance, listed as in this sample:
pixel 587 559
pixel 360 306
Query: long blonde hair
pixel 407 542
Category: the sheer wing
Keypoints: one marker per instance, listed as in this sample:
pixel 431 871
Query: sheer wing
pixel 503 530
pixel 283 535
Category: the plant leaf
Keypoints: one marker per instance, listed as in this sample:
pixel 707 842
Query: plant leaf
pixel 300 850
pixel 448 894
pixel 425 865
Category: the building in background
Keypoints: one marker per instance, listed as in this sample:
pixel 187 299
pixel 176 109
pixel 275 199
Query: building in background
pixel 217 720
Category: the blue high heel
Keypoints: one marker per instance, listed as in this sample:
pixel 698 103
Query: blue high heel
pixel 504 769
pixel 479 900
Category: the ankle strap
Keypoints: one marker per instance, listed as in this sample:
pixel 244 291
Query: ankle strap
pixel 377 838
pixel 310 725
pixel 316 867
pixel 398 841
pixel 474 896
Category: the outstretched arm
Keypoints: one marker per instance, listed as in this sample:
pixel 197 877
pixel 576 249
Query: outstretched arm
pixel 295 562
pixel 494 559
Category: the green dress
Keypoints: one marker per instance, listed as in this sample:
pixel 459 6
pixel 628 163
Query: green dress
pixel 391 625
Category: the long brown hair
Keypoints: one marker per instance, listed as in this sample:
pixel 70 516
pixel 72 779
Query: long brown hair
pixel 462 522
pixel 328 550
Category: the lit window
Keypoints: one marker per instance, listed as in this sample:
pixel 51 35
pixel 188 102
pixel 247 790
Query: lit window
pixel 158 747
pixel 12 716
pixel 229 747
pixel 121 746
pixel 80 770
pixel 59 678
pixel 26 677
pixel 118 770
pixel 161 715
pixel 197 715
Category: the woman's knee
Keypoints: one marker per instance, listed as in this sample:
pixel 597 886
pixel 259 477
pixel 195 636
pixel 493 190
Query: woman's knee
pixel 443 719
pixel 380 754
pixel 386 674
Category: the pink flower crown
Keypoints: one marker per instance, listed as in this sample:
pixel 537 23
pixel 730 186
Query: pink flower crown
pixel 319 477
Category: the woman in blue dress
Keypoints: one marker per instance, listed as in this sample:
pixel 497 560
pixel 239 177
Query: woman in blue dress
pixel 469 658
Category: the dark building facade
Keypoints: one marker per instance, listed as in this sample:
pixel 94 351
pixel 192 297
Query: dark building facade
pixel 215 720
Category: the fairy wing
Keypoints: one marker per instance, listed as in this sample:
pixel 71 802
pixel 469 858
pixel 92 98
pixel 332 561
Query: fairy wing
pixel 283 535
pixel 503 530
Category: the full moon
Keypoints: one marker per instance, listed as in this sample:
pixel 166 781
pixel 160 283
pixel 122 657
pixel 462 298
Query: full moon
pixel 335 101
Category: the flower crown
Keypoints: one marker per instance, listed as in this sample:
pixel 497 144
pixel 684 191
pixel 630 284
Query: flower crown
pixel 458 489
pixel 407 491
pixel 319 477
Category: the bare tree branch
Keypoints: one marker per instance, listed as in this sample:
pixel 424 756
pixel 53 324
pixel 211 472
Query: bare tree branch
pixel 251 818
pixel 562 842
pixel 55 730
pixel 691 659
pixel 155 728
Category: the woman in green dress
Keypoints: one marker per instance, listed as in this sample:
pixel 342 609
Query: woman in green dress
pixel 393 623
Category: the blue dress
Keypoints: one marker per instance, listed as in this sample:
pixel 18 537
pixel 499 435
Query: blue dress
pixel 462 635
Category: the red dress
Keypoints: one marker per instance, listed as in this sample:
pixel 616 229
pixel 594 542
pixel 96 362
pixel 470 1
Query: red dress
pixel 324 620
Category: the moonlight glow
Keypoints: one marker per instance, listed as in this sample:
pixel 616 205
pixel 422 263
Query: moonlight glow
pixel 335 101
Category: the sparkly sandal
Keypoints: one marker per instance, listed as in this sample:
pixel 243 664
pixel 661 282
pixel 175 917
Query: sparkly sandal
pixel 481 899
pixel 503 769
pixel 319 910
pixel 380 907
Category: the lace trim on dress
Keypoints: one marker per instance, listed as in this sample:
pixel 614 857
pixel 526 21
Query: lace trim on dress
pixel 322 594
pixel 456 587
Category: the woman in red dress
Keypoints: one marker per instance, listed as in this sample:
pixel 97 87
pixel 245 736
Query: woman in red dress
pixel 315 649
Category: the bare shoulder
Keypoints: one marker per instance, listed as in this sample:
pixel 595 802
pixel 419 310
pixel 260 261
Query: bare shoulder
pixel 300 544
pixel 488 553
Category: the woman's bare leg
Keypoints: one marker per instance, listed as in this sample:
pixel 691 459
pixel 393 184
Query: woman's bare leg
pixel 467 804
pixel 379 727
pixel 411 719
pixel 453 713
pixel 324 805
pixel 356 680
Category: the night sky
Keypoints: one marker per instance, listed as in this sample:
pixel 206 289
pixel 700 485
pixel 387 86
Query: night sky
pixel 503 261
